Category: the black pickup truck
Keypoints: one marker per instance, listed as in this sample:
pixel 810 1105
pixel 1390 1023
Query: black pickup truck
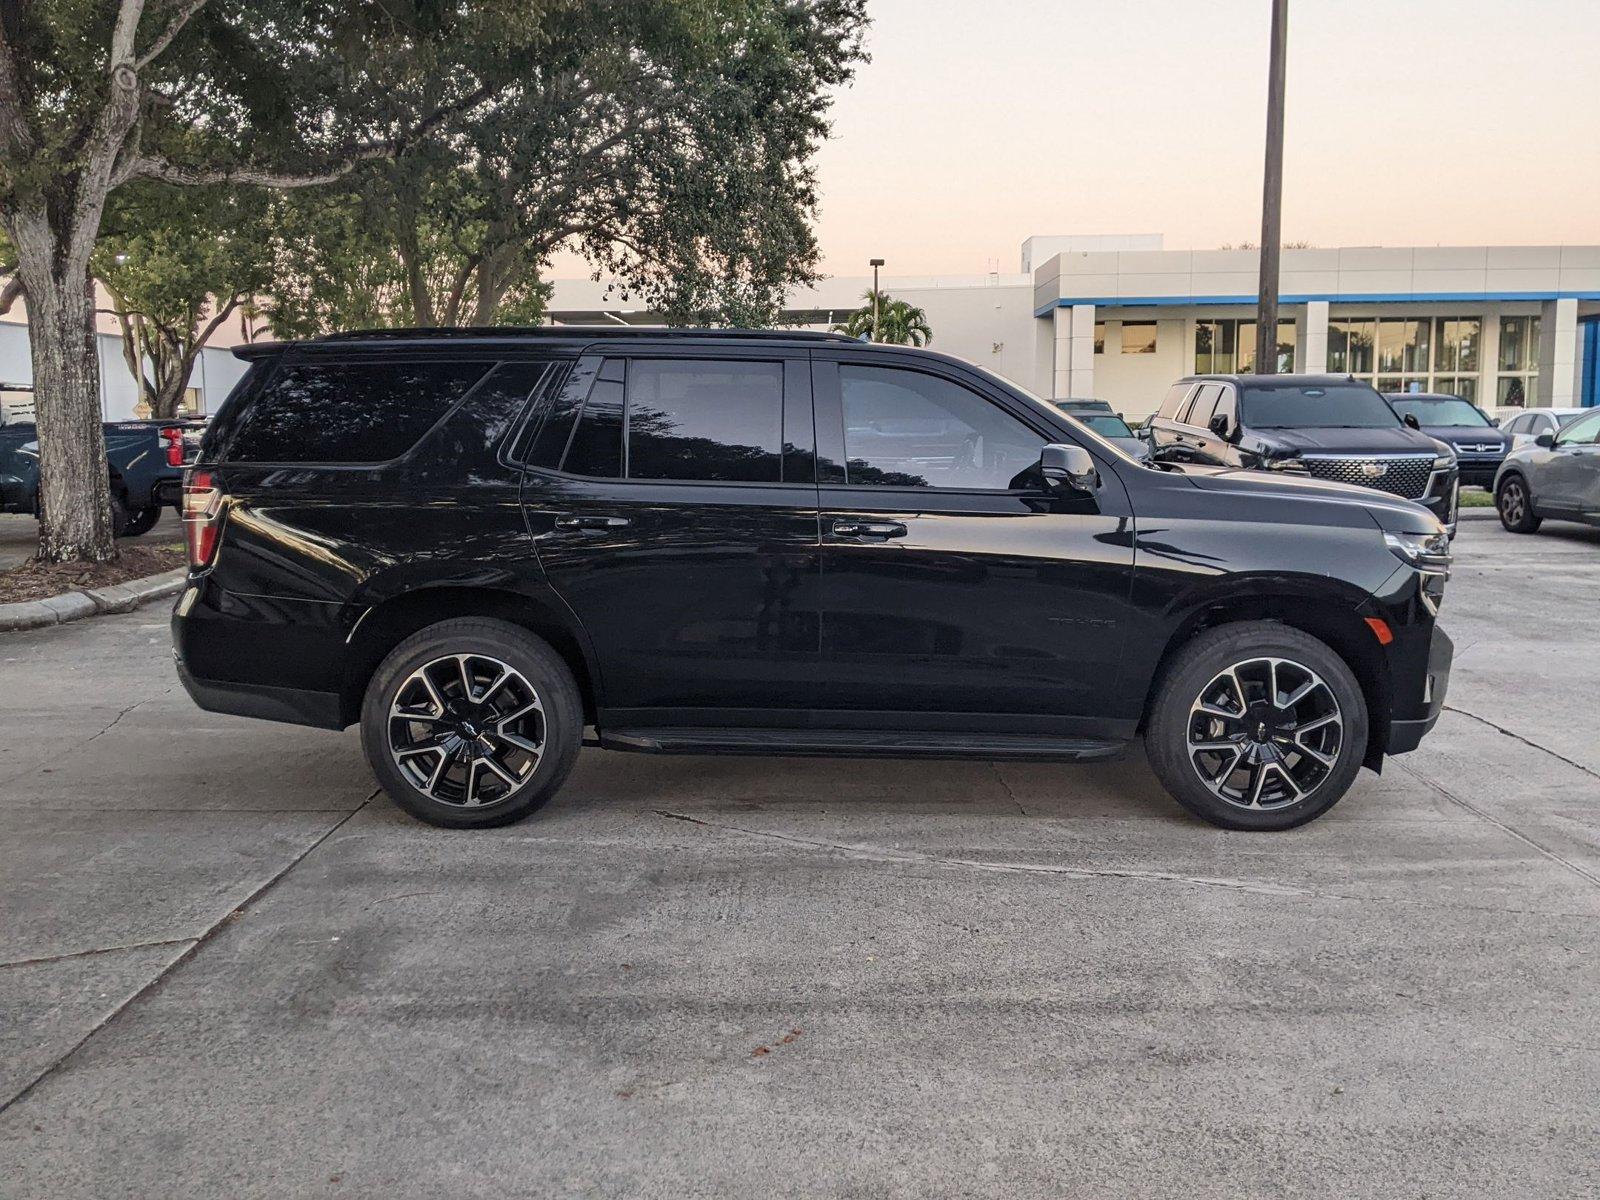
pixel 145 460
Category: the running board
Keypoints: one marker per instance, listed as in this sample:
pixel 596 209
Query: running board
pixel 853 743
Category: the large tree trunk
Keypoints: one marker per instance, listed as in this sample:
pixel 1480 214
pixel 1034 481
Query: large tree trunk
pixel 74 492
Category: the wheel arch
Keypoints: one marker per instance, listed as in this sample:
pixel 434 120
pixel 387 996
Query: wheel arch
pixel 1333 620
pixel 384 625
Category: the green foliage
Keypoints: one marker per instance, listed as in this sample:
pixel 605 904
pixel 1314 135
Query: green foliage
pixel 668 143
pixel 177 262
pixel 895 321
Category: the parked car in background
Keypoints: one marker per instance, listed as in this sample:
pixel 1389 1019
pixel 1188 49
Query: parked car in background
pixel 1109 424
pixel 1555 477
pixel 1528 423
pixel 145 460
pixel 1480 447
pixel 476 544
pixel 1329 427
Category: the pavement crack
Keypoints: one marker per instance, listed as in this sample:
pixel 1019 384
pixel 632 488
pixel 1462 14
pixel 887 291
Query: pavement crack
pixel 1577 869
pixel 1593 774
pixel 198 943
pixel 913 857
pixel 51 958
pixel 1000 775
pixel 115 719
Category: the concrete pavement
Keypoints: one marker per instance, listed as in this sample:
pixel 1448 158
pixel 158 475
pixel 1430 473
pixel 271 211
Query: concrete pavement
pixel 229 971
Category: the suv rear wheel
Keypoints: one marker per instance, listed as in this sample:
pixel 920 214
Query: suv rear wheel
pixel 471 722
pixel 1257 726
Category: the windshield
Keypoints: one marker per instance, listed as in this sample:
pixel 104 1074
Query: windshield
pixel 1440 410
pixel 1314 406
pixel 1103 425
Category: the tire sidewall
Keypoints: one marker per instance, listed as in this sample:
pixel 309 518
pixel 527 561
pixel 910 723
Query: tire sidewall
pixel 1527 522
pixel 539 664
pixel 1166 739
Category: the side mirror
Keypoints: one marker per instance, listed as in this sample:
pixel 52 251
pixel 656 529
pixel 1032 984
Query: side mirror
pixel 1410 419
pixel 1068 468
pixel 1222 425
pixel 1545 440
pixel 1144 433
pixel 1495 421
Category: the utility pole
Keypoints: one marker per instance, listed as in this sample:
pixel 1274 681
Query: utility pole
pixel 875 263
pixel 1272 198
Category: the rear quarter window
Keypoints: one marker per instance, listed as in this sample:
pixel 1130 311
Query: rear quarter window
pixel 356 412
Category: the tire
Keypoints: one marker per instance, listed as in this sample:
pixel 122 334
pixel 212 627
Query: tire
pixel 477 773
pixel 142 521
pixel 119 514
pixel 1303 773
pixel 1514 503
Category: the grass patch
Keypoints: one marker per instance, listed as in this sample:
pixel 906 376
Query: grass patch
pixel 1476 498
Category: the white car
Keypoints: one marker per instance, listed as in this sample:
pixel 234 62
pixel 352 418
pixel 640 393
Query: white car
pixel 1529 423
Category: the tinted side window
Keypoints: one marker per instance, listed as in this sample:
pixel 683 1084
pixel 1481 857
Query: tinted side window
pixel 1174 400
pixel 1228 405
pixel 349 412
pixel 906 429
pixel 690 419
pixel 1205 403
pixel 596 447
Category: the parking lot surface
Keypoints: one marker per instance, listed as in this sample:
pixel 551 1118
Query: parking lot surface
pixel 230 970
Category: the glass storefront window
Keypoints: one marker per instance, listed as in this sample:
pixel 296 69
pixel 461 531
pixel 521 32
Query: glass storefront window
pixel 1465 386
pixel 1457 342
pixel 1515 391
pixel 1403 345
pixel 1214 347
pixel 1519 343
pixel 1138 337
pixel 1099 337
pixel 1228 346
pixel 1350 346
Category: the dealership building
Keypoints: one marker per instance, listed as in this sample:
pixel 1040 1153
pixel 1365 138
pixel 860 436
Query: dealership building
pixel 1119 318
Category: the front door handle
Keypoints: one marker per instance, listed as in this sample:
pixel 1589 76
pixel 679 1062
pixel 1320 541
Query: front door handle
pixel 870 529
pixel 568 521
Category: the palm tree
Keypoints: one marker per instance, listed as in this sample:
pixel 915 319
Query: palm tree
pixel 898 321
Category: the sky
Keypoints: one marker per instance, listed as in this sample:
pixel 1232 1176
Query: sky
pixel 1408 122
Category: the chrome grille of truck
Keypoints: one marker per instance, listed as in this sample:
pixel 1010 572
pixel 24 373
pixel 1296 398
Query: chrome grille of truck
pixel 1398 474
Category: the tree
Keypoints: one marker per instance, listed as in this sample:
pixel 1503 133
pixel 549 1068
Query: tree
pixel 669 143
pixel 96 94
pixel 177 262
pixel 897 321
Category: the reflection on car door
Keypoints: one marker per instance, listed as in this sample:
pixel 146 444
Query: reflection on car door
pixel 1570 475
pixel 673 503
pixel 953 583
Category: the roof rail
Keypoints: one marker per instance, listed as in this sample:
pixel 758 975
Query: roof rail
pixel 577 331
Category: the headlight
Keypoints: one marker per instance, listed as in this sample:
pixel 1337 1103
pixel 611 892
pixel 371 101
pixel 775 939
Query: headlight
pixel 1425 551
pixel 1444 462
pixel 1285 464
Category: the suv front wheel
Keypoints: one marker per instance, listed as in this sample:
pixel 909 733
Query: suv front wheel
pixel 1257 726
pixel 471 722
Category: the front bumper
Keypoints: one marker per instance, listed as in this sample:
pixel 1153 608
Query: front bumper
pixel 1406 733
pixel 1479 472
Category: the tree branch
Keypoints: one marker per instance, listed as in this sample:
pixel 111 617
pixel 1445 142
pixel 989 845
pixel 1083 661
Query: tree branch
pixel 173 29
pixel 127 30
pixel 150 167
pixel 10 293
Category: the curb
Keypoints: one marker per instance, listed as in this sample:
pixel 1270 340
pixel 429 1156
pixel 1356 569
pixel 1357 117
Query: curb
pixel 89 602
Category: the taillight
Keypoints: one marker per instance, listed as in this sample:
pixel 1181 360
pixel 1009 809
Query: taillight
pixel 202 517
pixel 173 436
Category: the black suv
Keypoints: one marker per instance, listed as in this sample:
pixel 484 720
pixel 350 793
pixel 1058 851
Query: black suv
pixel 1326 426
pixel 478 544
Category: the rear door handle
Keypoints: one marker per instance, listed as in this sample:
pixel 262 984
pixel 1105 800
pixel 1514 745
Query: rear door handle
pixel 568 521
pixel 869 529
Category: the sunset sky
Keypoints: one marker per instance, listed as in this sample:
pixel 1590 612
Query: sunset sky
pixel 1408 122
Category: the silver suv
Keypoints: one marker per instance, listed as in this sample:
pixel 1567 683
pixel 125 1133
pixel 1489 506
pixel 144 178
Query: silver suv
pixel 1557 477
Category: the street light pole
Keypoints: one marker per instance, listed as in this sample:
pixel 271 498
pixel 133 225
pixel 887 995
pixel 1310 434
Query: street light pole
pixel 1272 198
pixel 875 263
